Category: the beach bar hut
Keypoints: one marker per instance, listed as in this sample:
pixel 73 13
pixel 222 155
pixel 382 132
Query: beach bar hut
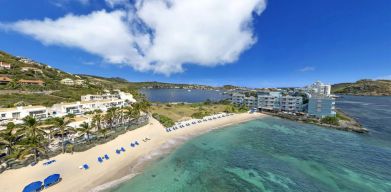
pixel 51 180
pixel 33 187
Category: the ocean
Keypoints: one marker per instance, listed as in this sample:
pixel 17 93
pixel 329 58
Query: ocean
pixel 273 154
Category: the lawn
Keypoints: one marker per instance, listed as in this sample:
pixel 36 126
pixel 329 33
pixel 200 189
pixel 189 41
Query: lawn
pixel 178 112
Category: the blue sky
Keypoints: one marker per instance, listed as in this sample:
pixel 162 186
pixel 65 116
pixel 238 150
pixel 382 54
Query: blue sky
pixel 288 43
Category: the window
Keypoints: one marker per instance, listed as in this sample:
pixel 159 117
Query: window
pixel 3 115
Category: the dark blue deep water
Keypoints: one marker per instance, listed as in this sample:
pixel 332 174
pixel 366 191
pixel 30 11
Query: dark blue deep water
pixel 272 154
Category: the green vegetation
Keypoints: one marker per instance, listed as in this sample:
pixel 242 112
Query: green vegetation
pixel 179 112
pixel 200 114
pixel 12 100
pixel 364 87
pixel 236 109
pixel 343 117
pixel 32 137
pixel 330 120
pixel 164 120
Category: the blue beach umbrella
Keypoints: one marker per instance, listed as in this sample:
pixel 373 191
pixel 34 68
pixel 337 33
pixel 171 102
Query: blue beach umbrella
pixel 51 180
pixel 33 187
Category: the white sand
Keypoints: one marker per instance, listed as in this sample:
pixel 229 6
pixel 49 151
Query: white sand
pixel 75 179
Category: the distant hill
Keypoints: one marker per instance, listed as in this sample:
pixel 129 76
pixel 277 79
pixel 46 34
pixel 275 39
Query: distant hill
pixel 364 87
pixel 14 91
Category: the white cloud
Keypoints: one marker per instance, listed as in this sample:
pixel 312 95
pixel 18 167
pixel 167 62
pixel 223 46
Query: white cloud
pixel 155 35
pixel 307 69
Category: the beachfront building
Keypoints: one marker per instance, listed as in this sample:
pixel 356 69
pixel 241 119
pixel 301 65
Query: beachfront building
pixel 291 103
pixel 80 107
pixel 18 113
pixel 318 88
pixel 251 102
pixel 269 101
pixel 117 95
pixel 237 98
pixel 321 106
pixel 67 81
pixel 4 65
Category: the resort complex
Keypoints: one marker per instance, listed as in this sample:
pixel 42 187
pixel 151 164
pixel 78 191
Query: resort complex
pixel 87 104
pixel 314 100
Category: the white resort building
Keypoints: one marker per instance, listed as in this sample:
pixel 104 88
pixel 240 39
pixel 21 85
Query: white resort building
pixel 89 103
pixel 18 113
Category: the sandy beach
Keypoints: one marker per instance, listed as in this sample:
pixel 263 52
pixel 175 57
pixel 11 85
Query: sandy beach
pixel 118 166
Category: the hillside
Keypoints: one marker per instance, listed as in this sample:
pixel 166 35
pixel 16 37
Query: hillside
pixel 27 82
pixel 364 87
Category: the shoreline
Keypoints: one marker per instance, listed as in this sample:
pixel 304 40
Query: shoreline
pixel 123 166
pixel 352 126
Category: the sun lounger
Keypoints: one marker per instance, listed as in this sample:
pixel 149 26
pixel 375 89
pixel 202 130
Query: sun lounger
pixel 136 142
pixel 122 149
pixel 132 145
pixel 107 157
pixel 117 151
pixel 100 160
pixel 52 180
pixel 33 187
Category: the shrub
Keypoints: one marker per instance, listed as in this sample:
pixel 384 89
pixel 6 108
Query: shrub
pixel 330 120
pixel 200 114
pixel 164 120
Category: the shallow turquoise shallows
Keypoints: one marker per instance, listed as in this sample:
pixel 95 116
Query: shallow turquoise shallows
pixel 270 155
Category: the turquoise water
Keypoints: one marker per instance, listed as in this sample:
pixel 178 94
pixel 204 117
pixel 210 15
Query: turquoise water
pixel 272 154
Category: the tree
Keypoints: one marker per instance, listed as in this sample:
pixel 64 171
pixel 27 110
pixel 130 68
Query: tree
pixel 85 129
pixel 9 137
pixel 62 123
pixel 34 137
pixel 111 116
pixel 97 121
pixel 131 113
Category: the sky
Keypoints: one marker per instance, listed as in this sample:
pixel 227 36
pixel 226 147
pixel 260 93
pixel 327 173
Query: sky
pixel 253 43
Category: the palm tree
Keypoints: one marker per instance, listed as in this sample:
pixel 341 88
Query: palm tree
pixel 35 138
pixel 111 116
pixel 85 129
pixel 131 113
pixel 9 137
pixel 62 123
pixel 97 121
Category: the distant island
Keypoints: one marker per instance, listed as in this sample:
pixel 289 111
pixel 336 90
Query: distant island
pixel 365 87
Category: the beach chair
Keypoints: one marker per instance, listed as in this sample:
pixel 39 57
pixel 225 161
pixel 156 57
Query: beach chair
pixel 52 180
pixel 136 142
pixel 100 160
pixel 117 151
pixel 107 157
pixel 122 149
pixel 85 166
pixel 132 145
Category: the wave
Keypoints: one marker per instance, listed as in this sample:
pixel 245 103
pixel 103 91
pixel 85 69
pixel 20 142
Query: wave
pixel 141 162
